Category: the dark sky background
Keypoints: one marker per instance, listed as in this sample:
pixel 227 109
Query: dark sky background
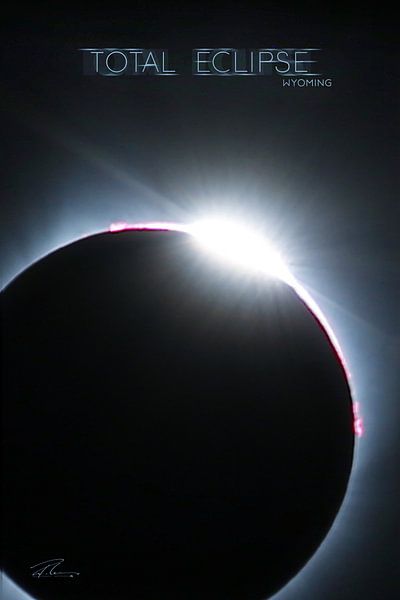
pixel 317 168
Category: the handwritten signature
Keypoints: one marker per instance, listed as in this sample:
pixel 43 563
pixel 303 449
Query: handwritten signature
pixel 46 569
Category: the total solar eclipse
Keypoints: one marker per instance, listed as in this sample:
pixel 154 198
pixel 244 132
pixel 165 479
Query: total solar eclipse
pixel 175 426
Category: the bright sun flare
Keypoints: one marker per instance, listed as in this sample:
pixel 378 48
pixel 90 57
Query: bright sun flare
pixel 240 245
pixel 246 247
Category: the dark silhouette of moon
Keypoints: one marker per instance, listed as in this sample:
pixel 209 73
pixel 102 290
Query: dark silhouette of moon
pixel 173 427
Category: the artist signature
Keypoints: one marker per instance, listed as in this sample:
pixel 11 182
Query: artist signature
pixel 47 569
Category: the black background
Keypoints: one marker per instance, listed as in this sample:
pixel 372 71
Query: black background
pixel 317 167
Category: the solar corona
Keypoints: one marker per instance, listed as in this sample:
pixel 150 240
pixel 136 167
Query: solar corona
pixel 178 412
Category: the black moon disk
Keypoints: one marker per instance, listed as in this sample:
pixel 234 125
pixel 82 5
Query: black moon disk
pixel 173 427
